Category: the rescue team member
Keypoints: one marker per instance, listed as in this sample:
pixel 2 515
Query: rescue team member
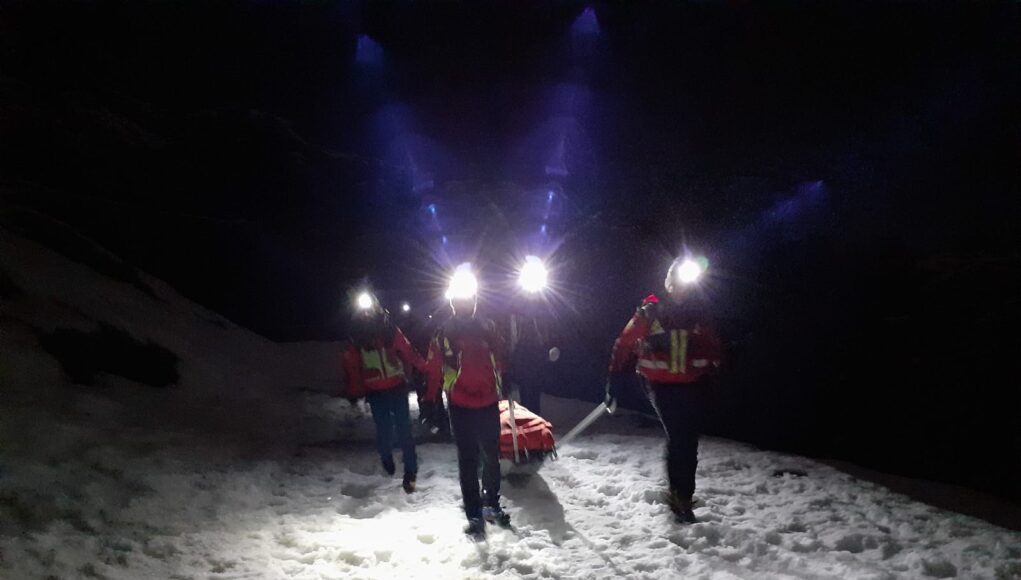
pixel 465 360
pixel 678 355
pixel 374 367
pixel 529 339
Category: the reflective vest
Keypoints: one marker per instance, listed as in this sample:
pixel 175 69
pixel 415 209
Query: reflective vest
pixel 465 364
pixel 369 370
pixel 673 344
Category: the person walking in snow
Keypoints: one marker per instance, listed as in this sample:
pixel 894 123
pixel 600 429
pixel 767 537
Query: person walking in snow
pixel 374 367
pixel 431 415
pixel 678 355
pixel 532 352
pixel 465 361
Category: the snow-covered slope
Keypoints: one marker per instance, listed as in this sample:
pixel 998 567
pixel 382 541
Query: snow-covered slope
pixel 214 381
pixel 124 480
pixel 329 512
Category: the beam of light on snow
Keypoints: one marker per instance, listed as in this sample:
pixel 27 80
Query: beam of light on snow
pixel 533 275
pixel 368 51
pixel 463 284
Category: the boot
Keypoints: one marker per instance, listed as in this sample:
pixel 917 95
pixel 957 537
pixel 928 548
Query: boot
pixel 388 466
pixel 409 483
pixel 476 528
pixel 681 508
pixel 496 515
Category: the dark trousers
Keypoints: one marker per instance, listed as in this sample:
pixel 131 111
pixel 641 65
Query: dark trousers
pixel 531 395
pixel 681 409
pixel 477 436
pixel 390 412
pixel 531 372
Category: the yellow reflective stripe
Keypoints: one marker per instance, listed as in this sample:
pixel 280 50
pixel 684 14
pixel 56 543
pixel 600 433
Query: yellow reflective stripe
pixel 678 351
pixel 656 328
pixel 450 376
pixel 682 355
pixel 673 351
pixel 376 360
pixel 373 360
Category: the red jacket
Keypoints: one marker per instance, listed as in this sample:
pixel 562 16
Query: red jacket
pixel 380 368
pixel 466 359
pixel 674 343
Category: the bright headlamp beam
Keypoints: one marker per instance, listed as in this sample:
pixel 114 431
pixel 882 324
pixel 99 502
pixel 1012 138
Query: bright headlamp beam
pixel 405 307
pixel 463 284
pixel 689 271
pixel 364 301
pixel 533 275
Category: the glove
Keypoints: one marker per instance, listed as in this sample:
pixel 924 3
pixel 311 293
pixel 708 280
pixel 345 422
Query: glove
pixel 614 387
pixel 426 411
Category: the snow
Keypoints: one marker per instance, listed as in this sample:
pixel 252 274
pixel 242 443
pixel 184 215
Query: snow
pixel 275 479
pixel 328 511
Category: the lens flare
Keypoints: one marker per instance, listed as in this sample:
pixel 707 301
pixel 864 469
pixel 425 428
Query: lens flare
pixel 533 275
pixel 463 284
pixel 689 271
pixel 364 301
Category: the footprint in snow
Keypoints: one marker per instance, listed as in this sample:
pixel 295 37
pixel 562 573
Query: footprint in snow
pixel 356 491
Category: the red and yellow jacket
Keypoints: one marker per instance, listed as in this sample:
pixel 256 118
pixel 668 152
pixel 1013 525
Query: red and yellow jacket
pixel 674 343
pixel 380 368
pixel 466 360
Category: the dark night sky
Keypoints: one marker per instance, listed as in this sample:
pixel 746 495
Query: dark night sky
pixel 851 168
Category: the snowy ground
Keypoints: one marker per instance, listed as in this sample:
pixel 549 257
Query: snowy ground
pixel 246 469
pixel 329 512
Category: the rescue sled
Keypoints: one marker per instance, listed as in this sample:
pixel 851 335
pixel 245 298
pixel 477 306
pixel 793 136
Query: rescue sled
pixel 535 441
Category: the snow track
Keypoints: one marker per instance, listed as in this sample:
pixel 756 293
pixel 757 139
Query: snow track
pixel 329 512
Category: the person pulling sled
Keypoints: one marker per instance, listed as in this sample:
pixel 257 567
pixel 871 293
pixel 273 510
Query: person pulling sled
pixel 465 361
pixel 678 355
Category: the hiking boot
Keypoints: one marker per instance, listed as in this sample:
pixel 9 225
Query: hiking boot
pixel 496 515
pixel 681 508
pixel 409 483
pixel 388 466
pixel 476 528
